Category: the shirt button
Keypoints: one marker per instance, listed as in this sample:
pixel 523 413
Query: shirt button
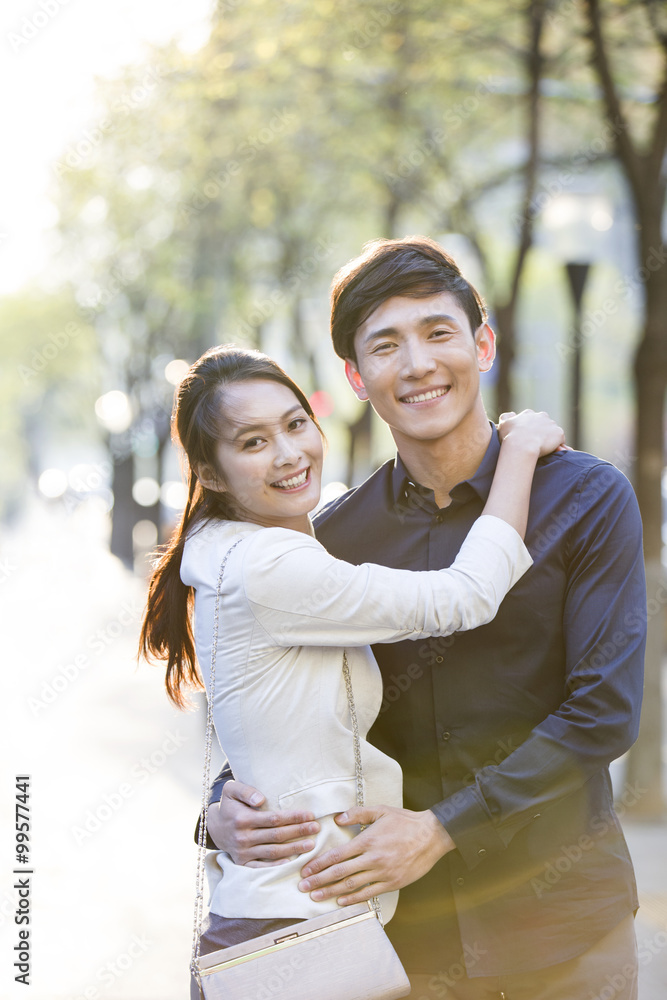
pixel 439 659
pixel 446 736
pixel 482 852
pixel 438 518
pixel 460 881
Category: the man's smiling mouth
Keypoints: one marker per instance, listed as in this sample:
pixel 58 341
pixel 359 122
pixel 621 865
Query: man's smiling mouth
pixel 423 397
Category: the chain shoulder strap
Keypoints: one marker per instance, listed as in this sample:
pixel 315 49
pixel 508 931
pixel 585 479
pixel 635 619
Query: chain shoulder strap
pixel 374 902
pixel 203 815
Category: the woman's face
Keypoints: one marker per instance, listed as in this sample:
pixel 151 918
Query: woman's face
pixel 269 455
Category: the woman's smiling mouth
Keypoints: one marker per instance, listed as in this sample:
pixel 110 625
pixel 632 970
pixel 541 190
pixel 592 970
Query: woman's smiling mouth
pixel 294 482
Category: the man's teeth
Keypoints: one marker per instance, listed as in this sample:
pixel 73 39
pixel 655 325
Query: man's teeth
pixel 423 396
pixel 288 484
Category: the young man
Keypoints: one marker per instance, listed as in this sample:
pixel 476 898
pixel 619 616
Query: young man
pixel 515 877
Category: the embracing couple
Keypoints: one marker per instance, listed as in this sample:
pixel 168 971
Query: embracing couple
pixel 503 677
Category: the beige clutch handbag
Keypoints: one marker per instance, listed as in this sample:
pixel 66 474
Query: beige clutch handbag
pixel 342 955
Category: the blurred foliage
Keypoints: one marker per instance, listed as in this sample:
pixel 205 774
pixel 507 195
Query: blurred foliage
pixel 302 122
pixel 49 353
pixel 216 192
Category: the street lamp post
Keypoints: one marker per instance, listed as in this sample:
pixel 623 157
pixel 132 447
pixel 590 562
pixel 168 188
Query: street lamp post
pixel 577 274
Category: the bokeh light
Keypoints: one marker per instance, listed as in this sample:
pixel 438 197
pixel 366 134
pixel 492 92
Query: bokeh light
pixel 114 411
pixel 146 491
pixel 52 483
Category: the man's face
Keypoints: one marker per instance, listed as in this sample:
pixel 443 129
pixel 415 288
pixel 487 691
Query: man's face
pixel 418 363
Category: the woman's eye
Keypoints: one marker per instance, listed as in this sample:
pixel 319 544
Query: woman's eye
pixel 251 443
pixel 296 423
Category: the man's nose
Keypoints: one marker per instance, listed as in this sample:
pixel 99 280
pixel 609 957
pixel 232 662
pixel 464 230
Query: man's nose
pixel 418 359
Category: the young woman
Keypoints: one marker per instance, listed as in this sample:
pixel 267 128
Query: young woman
pixel 288 610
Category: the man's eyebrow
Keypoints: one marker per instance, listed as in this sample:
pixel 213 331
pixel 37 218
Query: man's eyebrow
pixel 247 428
pixel 389 331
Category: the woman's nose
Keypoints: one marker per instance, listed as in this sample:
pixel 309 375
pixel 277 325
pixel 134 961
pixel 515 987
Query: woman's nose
pixel 287 451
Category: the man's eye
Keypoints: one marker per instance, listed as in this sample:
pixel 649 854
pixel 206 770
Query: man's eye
pixel 382 347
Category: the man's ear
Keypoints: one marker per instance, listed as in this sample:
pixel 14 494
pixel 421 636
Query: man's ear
pixel 209 478
pixel 485 341
pixel 354 378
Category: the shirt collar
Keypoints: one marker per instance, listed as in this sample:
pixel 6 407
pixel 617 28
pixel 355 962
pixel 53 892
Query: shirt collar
pixel 480 483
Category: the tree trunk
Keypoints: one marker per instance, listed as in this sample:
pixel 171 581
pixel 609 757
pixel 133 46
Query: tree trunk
pixel 650 373
pixel 644 172
pixel 506 311
pixel 123 515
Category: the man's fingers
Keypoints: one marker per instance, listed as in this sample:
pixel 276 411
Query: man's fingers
pixel 328 860
pixel 338 878
pixel 243 793
pixel 274 833
pixel 358 815
pixel 363 895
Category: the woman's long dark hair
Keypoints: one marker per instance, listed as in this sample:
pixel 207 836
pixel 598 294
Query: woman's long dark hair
pixel 166 632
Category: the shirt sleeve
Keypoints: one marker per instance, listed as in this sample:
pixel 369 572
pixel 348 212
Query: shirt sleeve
pixel 215 794
pixel 301 595
pixel 604 626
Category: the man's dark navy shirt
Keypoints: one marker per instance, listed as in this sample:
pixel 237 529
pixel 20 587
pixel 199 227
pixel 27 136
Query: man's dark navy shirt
pixel 506 731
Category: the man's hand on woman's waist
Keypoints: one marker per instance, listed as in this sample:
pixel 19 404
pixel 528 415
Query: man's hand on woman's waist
pixel 397 847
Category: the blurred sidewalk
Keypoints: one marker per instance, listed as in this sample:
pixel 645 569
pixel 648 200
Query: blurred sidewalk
pixel 115 774
pixel 648 847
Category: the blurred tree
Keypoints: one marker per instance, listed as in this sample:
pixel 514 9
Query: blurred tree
pixel 626 38
pixel 222 199
pixel 46 393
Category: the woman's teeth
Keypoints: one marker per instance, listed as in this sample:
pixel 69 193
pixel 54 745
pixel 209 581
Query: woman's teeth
pixel 289 484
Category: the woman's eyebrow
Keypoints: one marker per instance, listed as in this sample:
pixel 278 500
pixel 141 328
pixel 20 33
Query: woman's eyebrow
pixel 247 428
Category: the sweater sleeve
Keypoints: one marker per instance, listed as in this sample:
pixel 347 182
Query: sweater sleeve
pixel 301 595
